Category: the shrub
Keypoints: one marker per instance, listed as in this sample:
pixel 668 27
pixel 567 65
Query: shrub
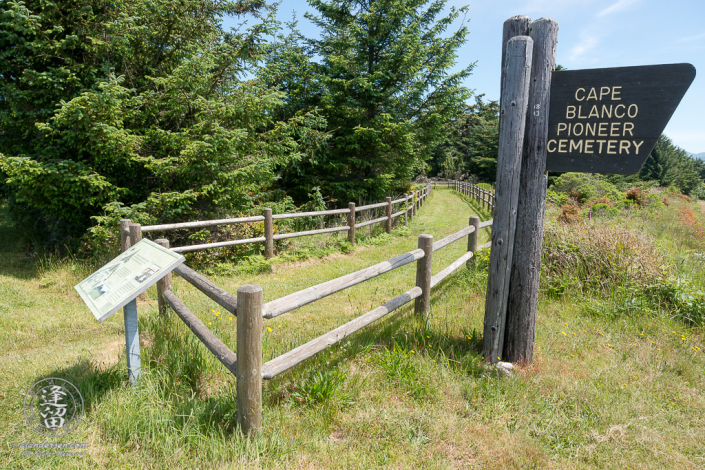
pixel 570 213
pixel 584 186
pixel 595 258
pixel 637 196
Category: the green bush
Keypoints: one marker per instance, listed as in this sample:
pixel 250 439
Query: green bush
pixel 584 186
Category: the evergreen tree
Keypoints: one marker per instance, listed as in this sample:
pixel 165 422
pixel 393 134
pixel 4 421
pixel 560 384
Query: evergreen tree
pixel 385 91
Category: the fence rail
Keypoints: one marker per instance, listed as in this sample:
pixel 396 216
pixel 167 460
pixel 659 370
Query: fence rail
pixel 417 199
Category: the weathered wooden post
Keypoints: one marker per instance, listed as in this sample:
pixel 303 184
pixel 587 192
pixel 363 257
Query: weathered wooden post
pixel 132 333
pixel 389 215
pixel 414 203
pixel 514 101
pixel 351 223
pixel 406 209
pixel 124 234
pixel 422 305
pixel 268 234
pixel 526 265
pixel 473 238
pixel 163 284
pixel 249 358
pixel 410 207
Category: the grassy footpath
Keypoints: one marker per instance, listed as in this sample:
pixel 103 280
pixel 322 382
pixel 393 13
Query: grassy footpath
pixel 604 391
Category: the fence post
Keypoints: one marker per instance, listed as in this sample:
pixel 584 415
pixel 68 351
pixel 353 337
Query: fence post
pixel 389 215
pixel 422 305
pixel 125 234
pixel 268 234
pixel 351 223
pixel 473 238
pixel 164 284
pixel 409 208
pixel 514 102
pixel 249 358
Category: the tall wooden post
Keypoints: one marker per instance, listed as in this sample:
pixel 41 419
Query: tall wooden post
pixel 249 358
pixel 268 234
pixel 163 284
pixel 514 101
pixel 422 305
pixel 524 282
pixel 406 209
pixel 351 223
pixel 389 215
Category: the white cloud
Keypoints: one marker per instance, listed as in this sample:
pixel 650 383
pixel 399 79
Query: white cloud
pixel 587 44
pixel 619 6
pixel 692 38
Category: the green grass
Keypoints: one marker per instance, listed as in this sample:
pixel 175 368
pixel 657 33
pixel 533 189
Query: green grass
pixel 605 391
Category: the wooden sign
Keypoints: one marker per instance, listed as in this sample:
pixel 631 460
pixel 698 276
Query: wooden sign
pixel 121 280
pixel 608 120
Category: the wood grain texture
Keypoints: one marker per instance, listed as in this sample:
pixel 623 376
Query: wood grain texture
pixel 125 234
pixel 297 355
pixel 517 71
pixel 214 345
pixel 208 246
pixel 462 233
pixel 389 215
pixel 514 26
pixel 474 222
pixel 294 215
pixel 371 206
pixel 370 222
pixel 268 234
pixel 164 284
pixel 351 223
pixel 201 223
pixel 522 302
pixel 424 267
pixel 451 268
pixel 299 299
pixel 283 236
pixel 249 347
pixel 213 292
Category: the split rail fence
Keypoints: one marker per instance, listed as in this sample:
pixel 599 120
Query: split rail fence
pixel 247 305
pixel 417 199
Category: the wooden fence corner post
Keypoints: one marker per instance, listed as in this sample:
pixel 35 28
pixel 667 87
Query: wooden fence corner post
pixel 351 223
pixel 249 358
pixel 422 305
pixel 163 284
pixel 268 234
pixel 389 215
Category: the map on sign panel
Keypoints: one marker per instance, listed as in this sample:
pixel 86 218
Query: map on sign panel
pixel 111 287
pixel 608 120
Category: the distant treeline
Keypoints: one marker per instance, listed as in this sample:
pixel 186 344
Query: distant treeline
pixel 152 111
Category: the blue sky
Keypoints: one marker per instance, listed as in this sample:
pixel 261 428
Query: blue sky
pixel 593 34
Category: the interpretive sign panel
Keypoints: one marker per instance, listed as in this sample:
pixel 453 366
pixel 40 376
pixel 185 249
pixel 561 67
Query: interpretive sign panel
pixel 111 287
pixel 608 120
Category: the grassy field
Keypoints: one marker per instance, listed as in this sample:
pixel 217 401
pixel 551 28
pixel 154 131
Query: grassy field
pixel 606 390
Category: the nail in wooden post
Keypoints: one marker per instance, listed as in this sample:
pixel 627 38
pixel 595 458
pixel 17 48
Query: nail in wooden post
pixel 522 303
pixel 249 358
pixel 514 102
pixel 164 284
pixel 473 238
pixel 351 223
pixel 389 215
pixel 124 234
pixel 268 234
pixel 422 305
